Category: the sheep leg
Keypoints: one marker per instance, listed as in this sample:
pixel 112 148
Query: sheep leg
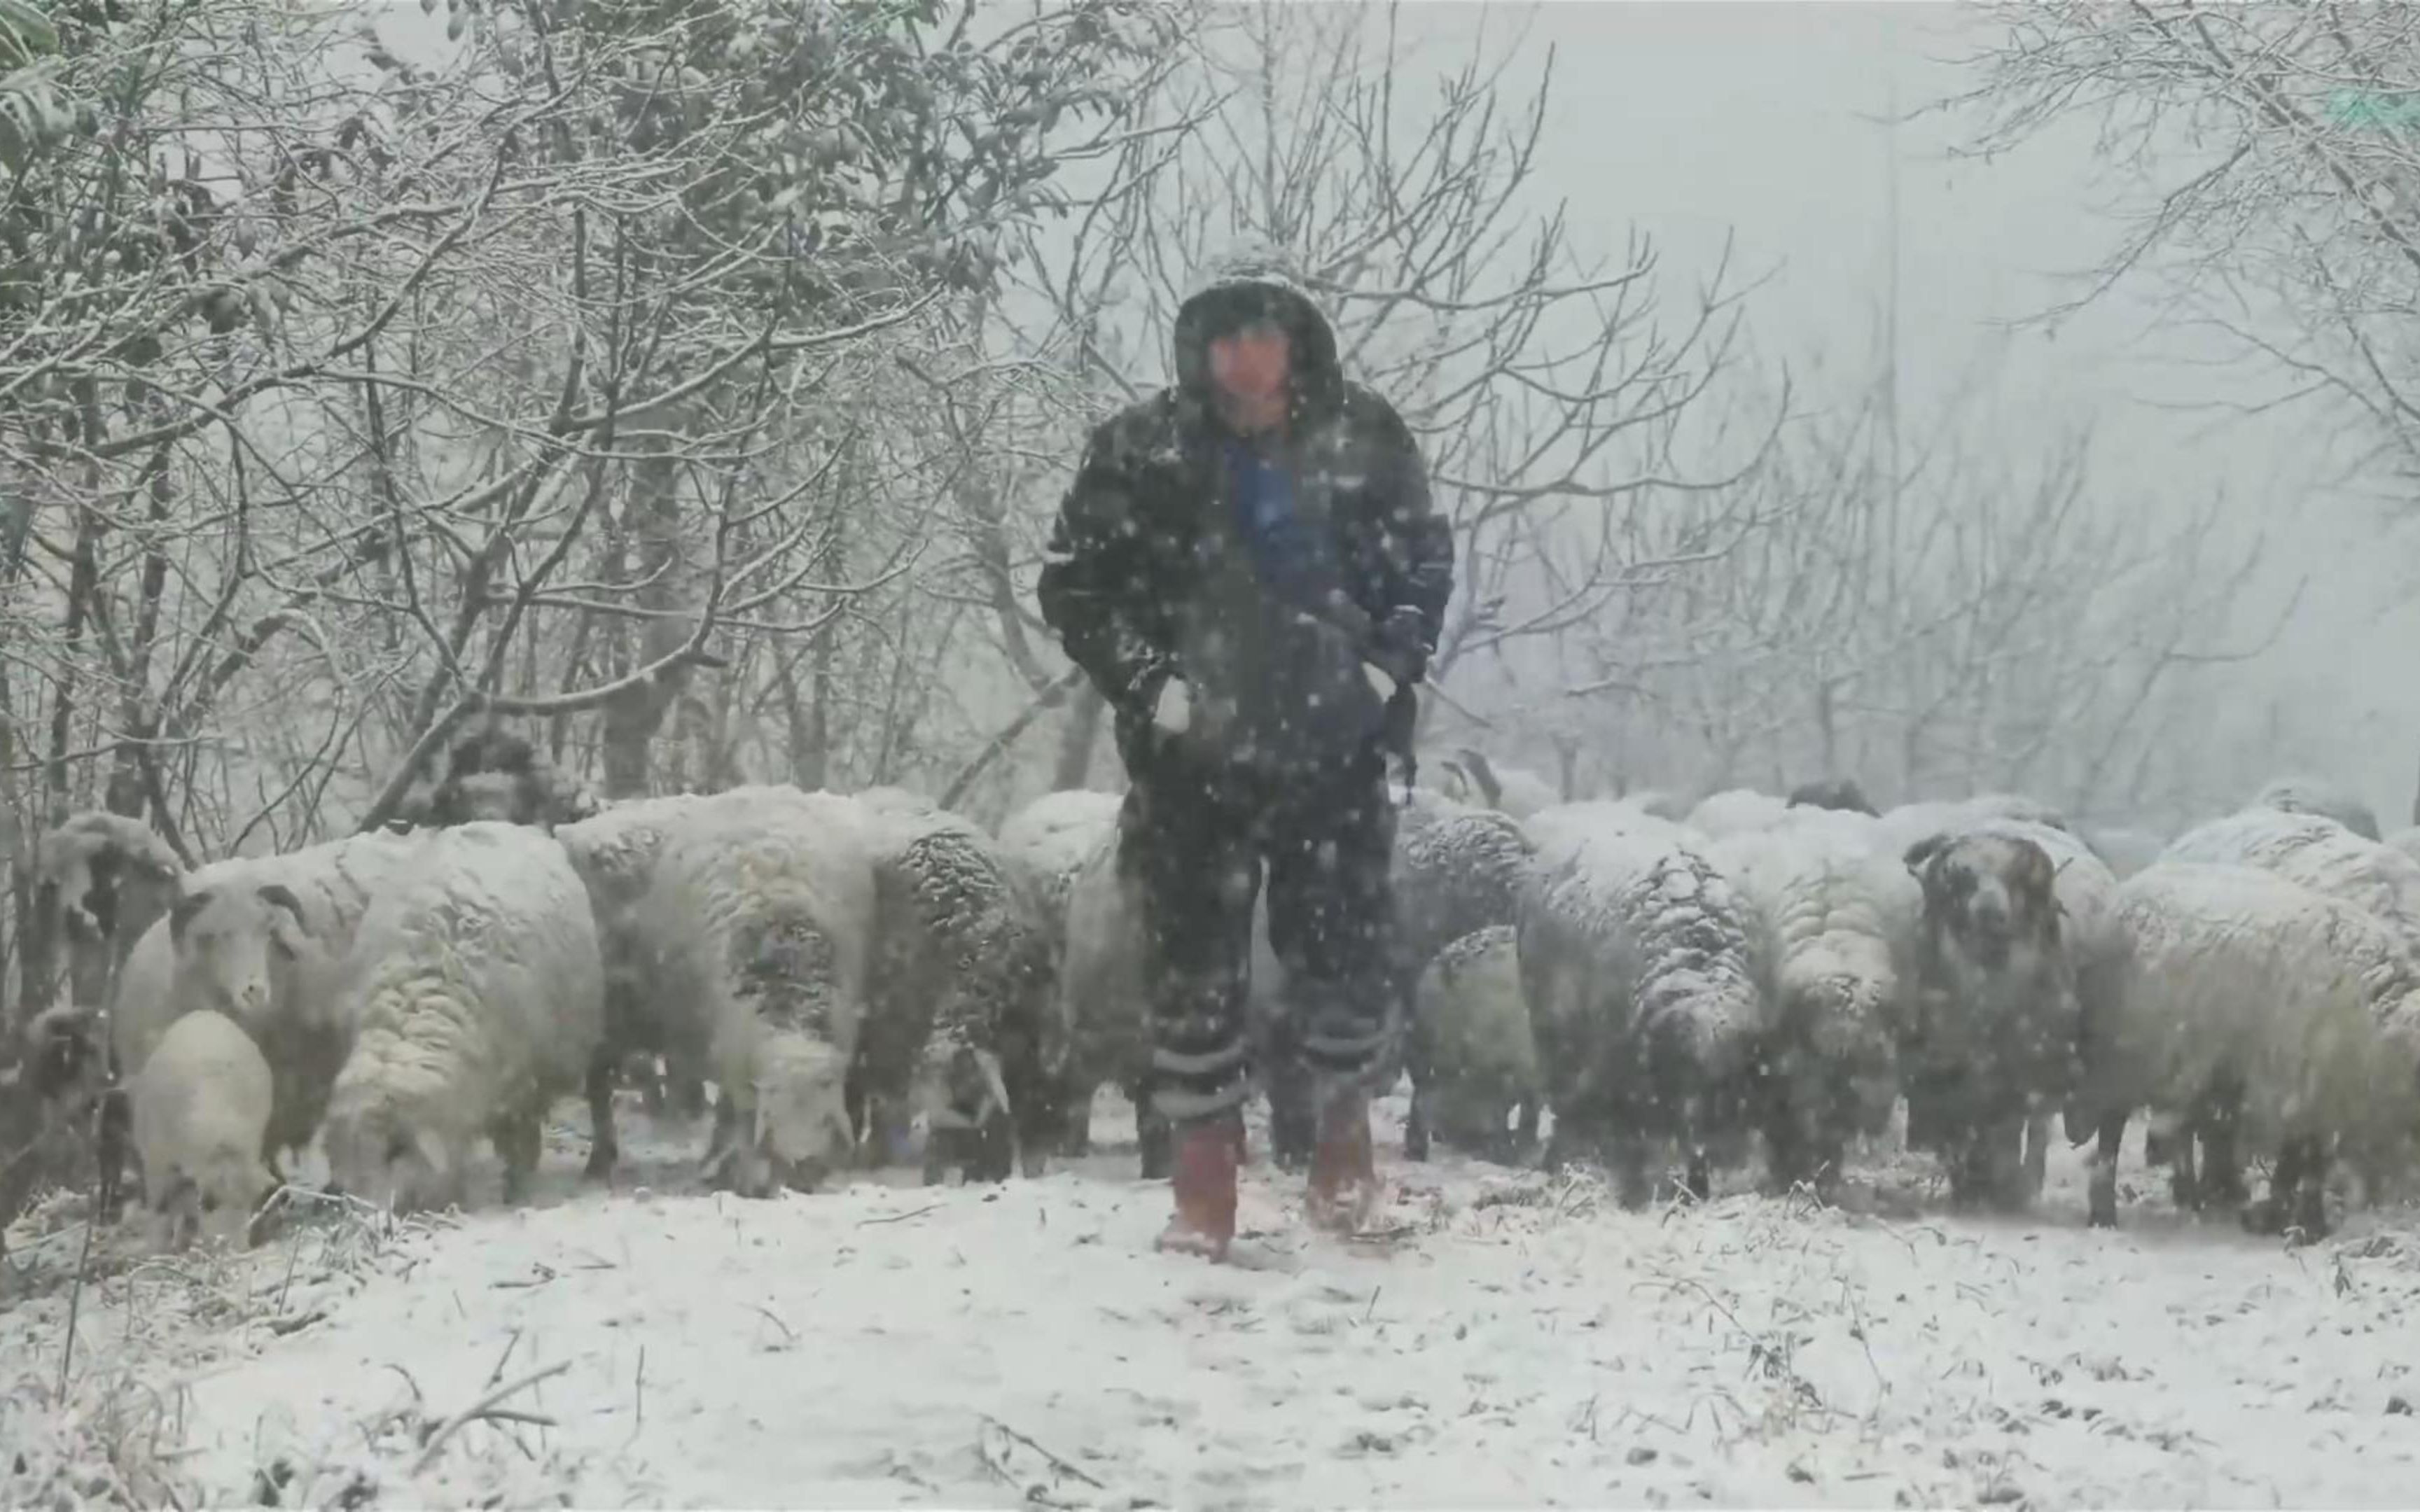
pixel 1076 1118
pixel 1632 1187
pixel 1416 1123
pixel 2221 1162
pixel 604 1148
pixel 2297 1192
pixel 516 1136
pixel 1697 1177
pixel 1524 1132
pixel 112 1142
pixel 2103 1198
pixel 2037 1155
pixel 2184 1181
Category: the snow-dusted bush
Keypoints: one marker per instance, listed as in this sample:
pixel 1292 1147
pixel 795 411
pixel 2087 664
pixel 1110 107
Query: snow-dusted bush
pixel 200 1115
pixel 1635 959
pixel 474 997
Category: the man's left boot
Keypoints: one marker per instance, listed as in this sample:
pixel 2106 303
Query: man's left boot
pixel 1343 1192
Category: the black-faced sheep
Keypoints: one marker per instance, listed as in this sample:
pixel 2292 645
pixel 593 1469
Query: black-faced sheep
pixel 1457 871
pixel 760 925
pixel 2305 1007
pixel 474 997
pixel 1994 1032
pixel 1634 960
pixel 1836 953
pixel 495 775
pixel 961 1019
pixel 1478 1084
pixel 200 1122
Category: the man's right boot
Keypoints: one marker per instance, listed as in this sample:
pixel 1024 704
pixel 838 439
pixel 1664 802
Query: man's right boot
pixel 1202 1178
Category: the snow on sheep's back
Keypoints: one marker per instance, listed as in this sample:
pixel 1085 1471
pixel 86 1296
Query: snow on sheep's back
pixel 1519 1343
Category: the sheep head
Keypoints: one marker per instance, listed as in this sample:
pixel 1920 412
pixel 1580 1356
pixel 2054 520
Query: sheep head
pixel 379 1154
pixel 1989 898
pixel 211 1196
pixel 802 1107
pixel 237 947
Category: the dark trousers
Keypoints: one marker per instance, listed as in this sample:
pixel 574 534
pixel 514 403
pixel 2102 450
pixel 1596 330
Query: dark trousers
pixel 1196 840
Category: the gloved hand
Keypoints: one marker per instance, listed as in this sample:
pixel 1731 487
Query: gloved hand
pixel 1398 650
pixel 1173 712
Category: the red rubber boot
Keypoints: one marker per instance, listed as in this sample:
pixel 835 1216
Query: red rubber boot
pixel 1203 1176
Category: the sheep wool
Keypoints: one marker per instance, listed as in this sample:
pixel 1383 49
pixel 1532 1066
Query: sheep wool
pixel 1737 811
pixel 2309 1004
pixel 1835 948
pixel 2302 795
pixel 2317 852
pixel 760 920
pixel 200 1107
pixel 476 993
pixel 1635 959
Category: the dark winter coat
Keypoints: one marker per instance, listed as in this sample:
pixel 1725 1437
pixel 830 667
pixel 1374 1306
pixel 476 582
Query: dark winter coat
pixel 1153 571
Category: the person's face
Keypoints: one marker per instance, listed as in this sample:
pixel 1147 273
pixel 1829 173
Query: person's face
pixel 1250 367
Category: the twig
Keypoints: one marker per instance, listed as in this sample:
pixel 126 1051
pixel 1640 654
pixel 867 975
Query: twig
pixel 767 1313
pixel 498 1373
pixel 482 1408
pixel 1056 1463
pixel 75 1293
pixel 640 1421
pixel 283 1326
pixel 899 1217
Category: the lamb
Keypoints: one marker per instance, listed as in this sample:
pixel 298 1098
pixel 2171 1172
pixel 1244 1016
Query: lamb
pixel 2308 1005
pixel 474 993
pixel 760 924
pixel 1457 871
pixel 1479 1061
pixel 1634 960
pixel 1836 951
pixel 961 1023
pixel 1994 1034
pixel 2317 796
pixel 200 1113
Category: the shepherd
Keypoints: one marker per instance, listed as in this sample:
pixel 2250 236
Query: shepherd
pixel 1249 568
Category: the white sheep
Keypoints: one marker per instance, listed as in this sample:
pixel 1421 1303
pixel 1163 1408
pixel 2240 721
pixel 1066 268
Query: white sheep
pixel 2309 1007
pixel 1101 1000
pixel 2317 796
pixel 1470 1032
pixel 2319 852
pixel 200 1113
pixel 760 924
pixel 1836 948
pixel 1048 841
pixel 2406 840
pixel 614 852
pixel 1736 810
pixel 1634 960
pixel 264 940
pixel 1913 823
pixel 474 997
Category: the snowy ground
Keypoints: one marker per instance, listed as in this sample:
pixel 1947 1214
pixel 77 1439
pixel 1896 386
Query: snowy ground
pixel 1519 1344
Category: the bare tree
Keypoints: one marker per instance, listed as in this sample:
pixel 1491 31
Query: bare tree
pixel 2268 162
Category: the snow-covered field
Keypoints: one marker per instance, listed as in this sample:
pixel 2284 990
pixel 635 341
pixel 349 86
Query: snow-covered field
pixel 1517 1342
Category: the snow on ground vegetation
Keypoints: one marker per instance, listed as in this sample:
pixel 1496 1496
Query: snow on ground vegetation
pixel 1514 1340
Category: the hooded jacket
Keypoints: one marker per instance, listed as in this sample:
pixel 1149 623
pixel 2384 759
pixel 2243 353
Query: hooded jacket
pixel 1152 571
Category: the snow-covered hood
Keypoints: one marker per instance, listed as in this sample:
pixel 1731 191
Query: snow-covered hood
pixel 1263 279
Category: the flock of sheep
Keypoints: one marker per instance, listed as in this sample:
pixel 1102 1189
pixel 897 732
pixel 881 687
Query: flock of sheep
pixel 1673 988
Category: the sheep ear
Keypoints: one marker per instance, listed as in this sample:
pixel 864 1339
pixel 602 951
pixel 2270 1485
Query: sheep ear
pixel 1923 851
pixel 283 897
pixel 182 914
